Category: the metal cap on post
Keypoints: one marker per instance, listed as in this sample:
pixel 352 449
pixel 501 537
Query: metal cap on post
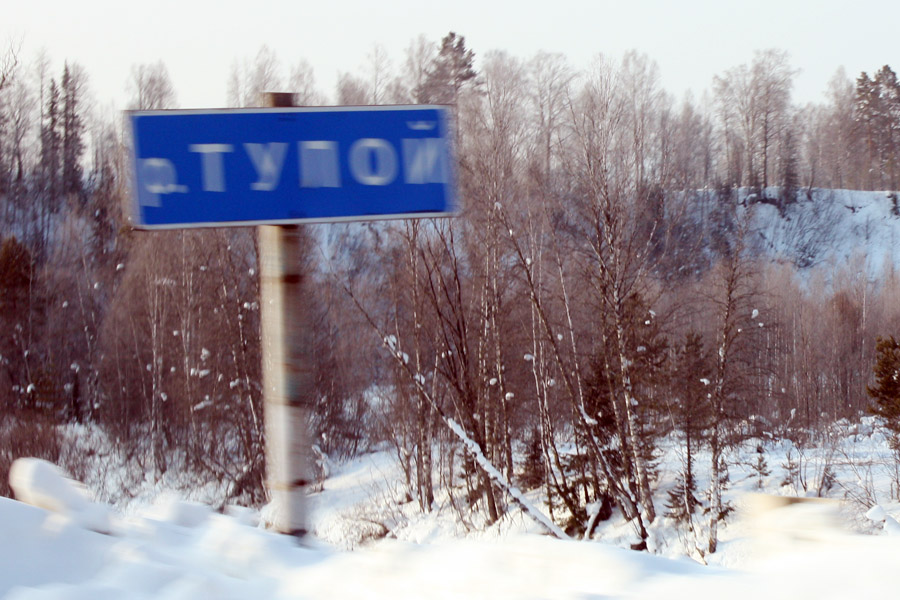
pixel 288 379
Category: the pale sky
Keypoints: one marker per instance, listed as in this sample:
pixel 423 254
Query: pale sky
pixel 691 40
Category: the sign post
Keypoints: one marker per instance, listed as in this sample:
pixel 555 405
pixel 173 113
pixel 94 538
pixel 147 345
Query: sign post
pixel 276 168
pixel 288 380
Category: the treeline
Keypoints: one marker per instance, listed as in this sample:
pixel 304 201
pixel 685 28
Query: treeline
pixel 603 287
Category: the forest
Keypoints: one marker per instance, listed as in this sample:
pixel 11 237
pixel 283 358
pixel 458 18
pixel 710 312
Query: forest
pixel 604 286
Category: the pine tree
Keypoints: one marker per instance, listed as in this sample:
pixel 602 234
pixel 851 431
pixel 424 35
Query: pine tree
pixel 628 410
pixel 886 391
pixel 50 149
pixel 451 70
pixel 888 89
pixel 72 133
pixel 690 414
pixel 49 172
pixel 761 466
pixel 790 170
pixel 533 469
pixel 878 115
pixel 867 111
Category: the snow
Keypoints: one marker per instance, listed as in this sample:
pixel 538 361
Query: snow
pixel 202 405
pixel 391 342
pixel 889 523
pixel 174 550
pixel 834 228
pixel 371 541
pixel 40 484
pixel 496 476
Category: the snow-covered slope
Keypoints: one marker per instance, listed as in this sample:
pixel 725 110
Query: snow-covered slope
pixel 830 226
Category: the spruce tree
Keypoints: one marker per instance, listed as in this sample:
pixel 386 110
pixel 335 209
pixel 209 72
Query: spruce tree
pixel 886 391
pixel 451 70
pixel 867 110
pixel 50 149
pixel 72 133
pixel 690 414
pixel 888 88
pixel 533 470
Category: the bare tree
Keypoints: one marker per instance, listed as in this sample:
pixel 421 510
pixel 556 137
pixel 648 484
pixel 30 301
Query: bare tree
pixel 605 127
pixel 8 63
pixel 248 79
pixel 773 79
pixel 733 297
pixel 549 80
pixel 841 139
pixel 303 84
pixel 351 90
pixel 756 99
pixel 378 67
pixel 151 88
pixel 419 56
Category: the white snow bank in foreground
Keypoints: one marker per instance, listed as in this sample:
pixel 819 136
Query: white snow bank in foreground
pixel 225 559
pixel 179 550
pixel 39 483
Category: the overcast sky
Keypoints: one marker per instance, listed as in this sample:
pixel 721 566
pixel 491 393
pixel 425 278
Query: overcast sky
pixel 691 40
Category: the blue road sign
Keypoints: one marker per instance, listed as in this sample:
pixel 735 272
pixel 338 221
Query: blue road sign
pixel 291 165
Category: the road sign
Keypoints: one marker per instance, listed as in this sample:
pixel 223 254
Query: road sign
pixel 291 165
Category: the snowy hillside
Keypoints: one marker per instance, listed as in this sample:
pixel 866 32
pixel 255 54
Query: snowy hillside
pixel 830 226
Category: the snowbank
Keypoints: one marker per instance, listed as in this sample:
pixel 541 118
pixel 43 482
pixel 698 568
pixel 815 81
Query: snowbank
pixel 39 483
pixel 173 549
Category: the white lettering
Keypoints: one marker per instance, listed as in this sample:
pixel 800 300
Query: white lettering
pixel 424 160
pixel 421 125
pixel 373 161
pixel 159 178
pixel 268 160
pixel 212 165
pixel 319 164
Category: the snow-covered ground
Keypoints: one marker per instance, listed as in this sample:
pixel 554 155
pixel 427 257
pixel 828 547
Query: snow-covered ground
pixel 172 548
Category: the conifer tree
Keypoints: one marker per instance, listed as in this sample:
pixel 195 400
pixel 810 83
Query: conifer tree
pixel 533 471
pixel 72 132
pixel 451 70
pixel 691 415
pixel 886 391
pixel 50 149
pixel 888 89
